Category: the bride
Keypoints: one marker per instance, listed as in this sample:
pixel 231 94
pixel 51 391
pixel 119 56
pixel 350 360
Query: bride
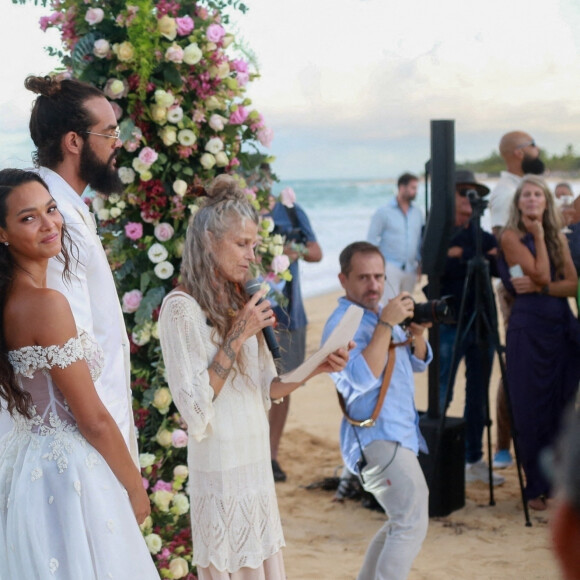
pixel 71 497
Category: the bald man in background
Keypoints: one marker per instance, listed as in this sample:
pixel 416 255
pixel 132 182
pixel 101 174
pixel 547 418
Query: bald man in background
pixel 521 156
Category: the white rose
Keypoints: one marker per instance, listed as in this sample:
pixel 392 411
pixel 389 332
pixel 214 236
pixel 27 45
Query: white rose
pixel 157 253
pixel 161 499
pixel 181 471
pixel 164 270
pixel 122 204
pixel 192 54
pixel 114 198
pixel 175 114
pixel 178 248
pixel 164 437
pixel 141 336
pixel 212 103
pixel 163 98
pixel 155 330
pixel 195 208
pixel 167 27
pixel 180 187
pixel 179 568
pixel 139 166
pixel 101 48
pixel 153 542
pixel 146 460
pixel 161 400
pixel 159 114
pixel 181 503
pixel 217 122
pixel 98 203
pixel 103 214
pixel 168 136
pixel 126 175
pixel 207 160
pixel 221 159
pixel 222 70
pixel 146 175
pixel 227 40
pixel 115 212
pixel 124 51
pixel 186 137
pixel 147 525
pixel 214 145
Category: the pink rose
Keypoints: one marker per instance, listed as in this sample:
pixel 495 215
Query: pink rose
pixel 238 116
pixel 280 263
pixel 174 54
pixel 94 16
pixel 288 197
pixel 240 65
pixel 162 486
pixel 148 156
pixel 184 25
pixel 131 301
pixel 163 231
pixel 242 78
pixel 145 483
pixel 134 230
pixel 215 32
pixel 179 438
pixel 265 136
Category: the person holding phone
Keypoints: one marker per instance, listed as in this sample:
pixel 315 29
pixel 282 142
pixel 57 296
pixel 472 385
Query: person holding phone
pixel 543 336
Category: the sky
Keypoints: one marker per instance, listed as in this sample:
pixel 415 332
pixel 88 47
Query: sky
pixel 350 86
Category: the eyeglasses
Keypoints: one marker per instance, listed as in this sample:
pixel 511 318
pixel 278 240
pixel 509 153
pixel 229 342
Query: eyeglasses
pixel 531 143
pixel 116 135
pixel 463 192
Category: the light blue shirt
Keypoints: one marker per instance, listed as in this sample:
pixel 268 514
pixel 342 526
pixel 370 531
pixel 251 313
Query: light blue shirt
pixel 398 234
pixel 398 419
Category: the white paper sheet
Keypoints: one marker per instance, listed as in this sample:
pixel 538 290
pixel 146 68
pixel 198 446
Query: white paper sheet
pixel 339 338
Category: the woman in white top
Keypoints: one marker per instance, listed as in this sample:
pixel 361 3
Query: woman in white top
pixel 71 497
pixel 223 380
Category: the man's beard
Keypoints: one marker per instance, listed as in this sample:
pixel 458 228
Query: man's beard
pixel 102 177
pixel 533 165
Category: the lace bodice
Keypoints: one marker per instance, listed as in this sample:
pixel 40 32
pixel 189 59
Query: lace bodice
pixel 32 366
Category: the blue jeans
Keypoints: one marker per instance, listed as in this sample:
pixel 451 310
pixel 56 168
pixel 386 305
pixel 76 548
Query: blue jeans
pixel 477 374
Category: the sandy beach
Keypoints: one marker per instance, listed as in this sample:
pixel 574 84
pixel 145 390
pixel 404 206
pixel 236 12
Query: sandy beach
pixel 327 540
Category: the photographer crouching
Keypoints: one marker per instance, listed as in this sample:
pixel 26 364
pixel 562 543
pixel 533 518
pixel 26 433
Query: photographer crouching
pixel 379 435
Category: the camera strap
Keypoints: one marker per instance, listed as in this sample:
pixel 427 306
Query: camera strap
pixel 371 421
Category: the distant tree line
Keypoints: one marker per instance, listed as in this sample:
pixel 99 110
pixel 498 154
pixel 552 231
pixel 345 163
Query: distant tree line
pixel 566 163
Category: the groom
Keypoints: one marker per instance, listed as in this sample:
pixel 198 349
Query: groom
pixel 76 135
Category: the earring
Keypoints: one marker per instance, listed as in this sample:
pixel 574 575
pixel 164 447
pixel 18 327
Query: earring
pixel 6 244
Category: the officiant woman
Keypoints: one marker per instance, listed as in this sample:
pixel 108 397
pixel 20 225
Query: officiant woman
pixel 223 381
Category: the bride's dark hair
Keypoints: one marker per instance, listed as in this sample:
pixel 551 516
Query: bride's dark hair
pixel 17 399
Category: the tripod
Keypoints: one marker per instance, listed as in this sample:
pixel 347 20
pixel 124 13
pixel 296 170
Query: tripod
pixel 483 322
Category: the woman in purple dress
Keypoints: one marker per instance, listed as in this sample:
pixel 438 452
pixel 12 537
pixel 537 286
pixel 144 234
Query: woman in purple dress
pixel 543 337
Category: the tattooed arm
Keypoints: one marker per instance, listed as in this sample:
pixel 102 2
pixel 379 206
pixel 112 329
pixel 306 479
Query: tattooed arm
pixel 250 320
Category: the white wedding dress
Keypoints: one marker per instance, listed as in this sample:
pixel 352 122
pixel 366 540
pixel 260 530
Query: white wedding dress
pixel 63 513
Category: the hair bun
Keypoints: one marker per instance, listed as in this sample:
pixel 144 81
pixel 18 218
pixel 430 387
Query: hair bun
pixel 224 187
pixel 45 86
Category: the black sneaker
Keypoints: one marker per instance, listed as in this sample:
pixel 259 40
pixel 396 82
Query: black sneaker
pixel 279 475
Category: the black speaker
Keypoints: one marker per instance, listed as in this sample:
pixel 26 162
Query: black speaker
pixel 442 211
pixel 446 478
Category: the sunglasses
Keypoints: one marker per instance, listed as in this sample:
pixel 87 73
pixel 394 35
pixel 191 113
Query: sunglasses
pixel 531 143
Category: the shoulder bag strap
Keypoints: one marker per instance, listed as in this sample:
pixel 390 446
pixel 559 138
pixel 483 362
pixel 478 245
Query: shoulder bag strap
pixel 370 422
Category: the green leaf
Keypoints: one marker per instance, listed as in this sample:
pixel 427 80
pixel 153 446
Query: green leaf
pixel 145 281
pixel 171 75
pixel 150 302
pixel 82 54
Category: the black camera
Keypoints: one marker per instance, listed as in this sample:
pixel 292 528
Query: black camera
pixel 441 310
pixel 295 235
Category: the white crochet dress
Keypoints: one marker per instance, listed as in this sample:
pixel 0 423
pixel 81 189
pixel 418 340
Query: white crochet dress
pixel 63 513
pixel 234 513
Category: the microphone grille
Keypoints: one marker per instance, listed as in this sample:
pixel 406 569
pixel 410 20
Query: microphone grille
pixel 252 286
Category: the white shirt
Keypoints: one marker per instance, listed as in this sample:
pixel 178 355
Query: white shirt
pixel 501 198
pixel 94 302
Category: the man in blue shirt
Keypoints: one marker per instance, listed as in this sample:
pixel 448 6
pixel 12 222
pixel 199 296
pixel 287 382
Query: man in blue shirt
pixel 384 455
pixel 294 225
pixel 396 229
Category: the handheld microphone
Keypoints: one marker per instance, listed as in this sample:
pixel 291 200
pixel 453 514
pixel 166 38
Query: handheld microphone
pixel 253 286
